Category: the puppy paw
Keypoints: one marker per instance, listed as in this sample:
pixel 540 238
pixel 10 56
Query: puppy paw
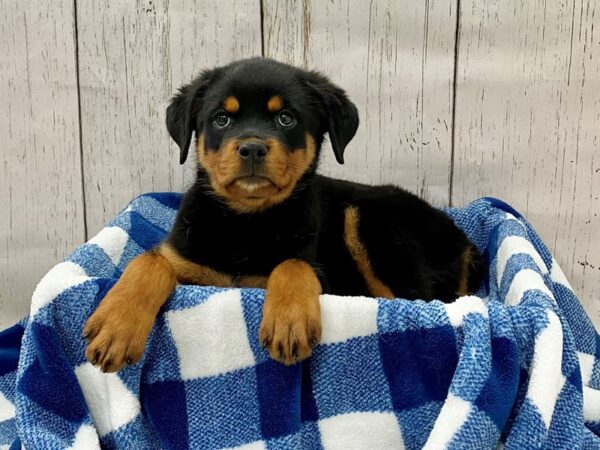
pixel 290 333
pixel 118 330
pixel 291 323
pixel 116 333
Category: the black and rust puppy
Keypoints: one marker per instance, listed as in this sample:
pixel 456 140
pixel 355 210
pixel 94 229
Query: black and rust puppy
pixel 259 216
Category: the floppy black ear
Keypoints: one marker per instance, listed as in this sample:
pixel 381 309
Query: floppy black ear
pixel 183 110
pixel 341 114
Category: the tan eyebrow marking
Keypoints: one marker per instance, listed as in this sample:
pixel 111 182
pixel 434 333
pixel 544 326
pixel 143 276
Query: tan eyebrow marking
pixel 275 103
pixel 231 104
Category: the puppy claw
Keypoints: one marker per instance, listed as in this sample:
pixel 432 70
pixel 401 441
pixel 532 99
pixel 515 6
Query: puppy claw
pixel 120 339
pixel 265 343
pixel 314 341
pixel 291 340
pixel 265 337
pixel 89 332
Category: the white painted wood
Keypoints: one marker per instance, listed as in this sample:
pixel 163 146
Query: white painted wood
pixel 41 205
pixel 395 59
pixel 133 56
pixel 527 110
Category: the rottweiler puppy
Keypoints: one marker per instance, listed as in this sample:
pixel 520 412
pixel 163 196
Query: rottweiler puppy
pixel 258 215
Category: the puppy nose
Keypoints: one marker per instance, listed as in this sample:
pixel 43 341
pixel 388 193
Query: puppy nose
pixel 254 151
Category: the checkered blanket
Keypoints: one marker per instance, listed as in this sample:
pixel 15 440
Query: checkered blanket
pixel 518 364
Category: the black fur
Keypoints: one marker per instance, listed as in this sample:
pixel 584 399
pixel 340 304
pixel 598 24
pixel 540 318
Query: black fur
pixel 415 249
pixel 182 113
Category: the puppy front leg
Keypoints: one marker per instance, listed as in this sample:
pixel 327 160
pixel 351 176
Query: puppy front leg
pixel 117 331
pixel 291 323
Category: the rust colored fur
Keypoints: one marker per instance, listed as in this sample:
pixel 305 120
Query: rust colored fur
pixel 231 105
pixel 118 329
pixel 275 103
pixel 284 169
pixel 291 322
pixel 188 272
pixel 359 253
pixel 251 281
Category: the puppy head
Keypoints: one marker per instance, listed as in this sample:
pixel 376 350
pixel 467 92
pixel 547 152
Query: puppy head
pixel 259 126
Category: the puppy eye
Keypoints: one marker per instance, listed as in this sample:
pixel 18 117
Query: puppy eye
pixel 286 119
pixel 221 120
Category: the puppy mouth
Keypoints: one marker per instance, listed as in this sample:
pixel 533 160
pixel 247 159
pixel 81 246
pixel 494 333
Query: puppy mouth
pixel 254 186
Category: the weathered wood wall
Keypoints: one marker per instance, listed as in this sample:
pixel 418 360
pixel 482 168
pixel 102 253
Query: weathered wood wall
pixel 458 99
pixel 41 200
pixel 527 123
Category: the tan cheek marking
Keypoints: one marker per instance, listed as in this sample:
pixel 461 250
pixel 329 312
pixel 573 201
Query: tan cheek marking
pixel 207 159
pixel 200 147
pixel 359 253
pixel 275 103
pixel 188 272
pixel 302 159
pixel 277 163
pixel 284 168
pixel 287 167
pixel 222 165
pixel 231 104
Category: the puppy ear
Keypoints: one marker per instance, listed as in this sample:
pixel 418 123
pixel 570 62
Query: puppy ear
pixel 182 113
pixel 341 114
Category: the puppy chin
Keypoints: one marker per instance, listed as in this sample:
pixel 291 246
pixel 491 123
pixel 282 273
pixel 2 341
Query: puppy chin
pixel 254 187
pixel 252 184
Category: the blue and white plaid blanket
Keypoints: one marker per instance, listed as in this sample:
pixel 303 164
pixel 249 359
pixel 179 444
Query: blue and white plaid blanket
pixel 517 366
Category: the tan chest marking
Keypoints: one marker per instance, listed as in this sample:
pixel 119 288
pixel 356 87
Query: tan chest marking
pixel 252 281
pixel 188 272
pixel 191 273
pixel 359 253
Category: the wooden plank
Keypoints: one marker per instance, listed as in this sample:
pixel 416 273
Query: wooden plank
pixel 527 109
pixel 395 59
pixel 40 177
pixel 133 56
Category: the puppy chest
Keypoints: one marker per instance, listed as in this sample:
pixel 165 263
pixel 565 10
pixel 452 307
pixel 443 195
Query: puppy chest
pixel 250 250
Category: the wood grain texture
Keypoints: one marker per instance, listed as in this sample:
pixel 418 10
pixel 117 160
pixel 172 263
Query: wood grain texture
pixel 40 177
pixel 526 113
pixel 133 56
pixel 527 110
pixel 395 59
